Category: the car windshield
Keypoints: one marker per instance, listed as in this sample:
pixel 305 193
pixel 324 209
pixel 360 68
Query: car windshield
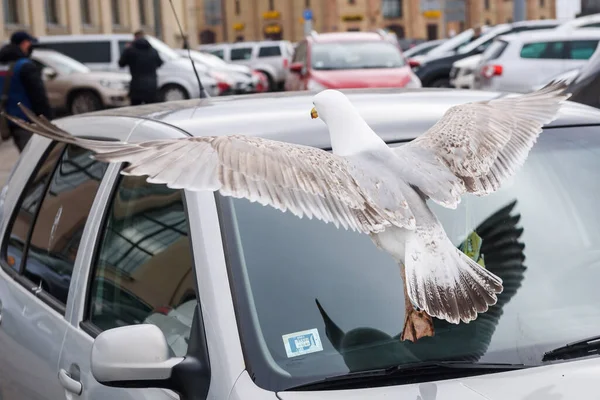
pixel 355 55
pixel 208 59
pixel 63 64
pixel 302 278
pixel 166 53
pixel 452 44
pixel 484 40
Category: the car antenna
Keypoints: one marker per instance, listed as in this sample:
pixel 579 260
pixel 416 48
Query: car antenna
pixel 203 93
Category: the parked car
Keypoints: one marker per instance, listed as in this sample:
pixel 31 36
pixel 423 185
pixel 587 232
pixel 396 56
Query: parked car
pixel 238 81
pixel 348 60
pixel 447 48
pixel 135 250
pixel 434 71
pixel 520 62
pixel 270 57
pixel 585 82
pixel 101 52
pixel 422 49
pixel 73 87
pixel 587 21
pixel 462 74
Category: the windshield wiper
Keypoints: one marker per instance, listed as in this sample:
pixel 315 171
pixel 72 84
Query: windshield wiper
pixel 408 373
pixel 578 349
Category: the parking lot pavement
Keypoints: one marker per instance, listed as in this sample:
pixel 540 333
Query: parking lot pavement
pixel 8 156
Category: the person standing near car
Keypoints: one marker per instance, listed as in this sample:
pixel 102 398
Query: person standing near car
pixel 143 61
pixel 20 82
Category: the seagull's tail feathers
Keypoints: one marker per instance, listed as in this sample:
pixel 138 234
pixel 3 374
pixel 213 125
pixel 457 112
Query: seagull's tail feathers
pixel 445 282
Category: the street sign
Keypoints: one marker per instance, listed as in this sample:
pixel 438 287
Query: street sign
pixel 308 15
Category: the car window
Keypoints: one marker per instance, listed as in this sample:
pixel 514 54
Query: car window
pixel 300 53
pixel 543 50
pixel 58 227
pixel 593 25
pixel 242 53
pixel 123 45
pixel 219 53
pixel 23 218
pixel 355 55
pixel 269 51
pixel 142 271
pixel 494 51
pixel 582 49
pixel 84 52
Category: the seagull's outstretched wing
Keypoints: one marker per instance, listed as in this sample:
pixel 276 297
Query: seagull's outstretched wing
pixel 481 144
pixel 304 180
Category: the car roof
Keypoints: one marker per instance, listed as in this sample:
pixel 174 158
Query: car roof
pixel 535 22
pixel 588 33
pixel 345 36
pixel 577 22
pixel 395 114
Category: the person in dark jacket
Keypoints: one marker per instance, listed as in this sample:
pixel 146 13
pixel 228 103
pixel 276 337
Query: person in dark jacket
pixel 143 61
pixel 26 85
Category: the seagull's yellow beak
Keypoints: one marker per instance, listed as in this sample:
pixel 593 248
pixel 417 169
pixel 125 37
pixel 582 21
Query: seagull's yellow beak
pixel 313 113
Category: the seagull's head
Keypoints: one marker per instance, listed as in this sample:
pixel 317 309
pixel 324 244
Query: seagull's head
pixel 328 103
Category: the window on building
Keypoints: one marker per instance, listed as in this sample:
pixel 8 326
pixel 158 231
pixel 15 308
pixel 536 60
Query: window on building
pixel 116 12
pixel 212 12
pixel 486 4
pixel 59 223
pixel 509 20
pixel 432 31
pixel 238 7
pixel 391 8
pixel 143 270
pixel 582 49
pixel 11 11
pixel 242 53
pixel 51 9
pixel 306 3
pixel 352 2
pixel 142 11
pixel 543 50
pixel 542 3
pixel 488 22
pixel 271 5
pixel 86 15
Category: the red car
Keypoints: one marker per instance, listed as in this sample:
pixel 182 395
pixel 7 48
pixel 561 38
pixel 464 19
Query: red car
pixel 349 60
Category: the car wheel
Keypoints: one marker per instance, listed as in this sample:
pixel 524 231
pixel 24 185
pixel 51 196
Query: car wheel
pixel 173 93
pixel 441 83
pixel 84 102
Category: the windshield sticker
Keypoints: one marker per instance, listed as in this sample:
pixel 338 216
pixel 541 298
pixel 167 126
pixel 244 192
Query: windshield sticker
pixel 300 343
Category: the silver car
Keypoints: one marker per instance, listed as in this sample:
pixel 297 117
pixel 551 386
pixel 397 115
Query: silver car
pixel 115 288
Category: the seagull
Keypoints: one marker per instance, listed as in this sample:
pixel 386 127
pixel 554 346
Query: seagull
pixel 363 184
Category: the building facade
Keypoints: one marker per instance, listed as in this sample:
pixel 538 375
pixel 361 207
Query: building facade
pixel 210 21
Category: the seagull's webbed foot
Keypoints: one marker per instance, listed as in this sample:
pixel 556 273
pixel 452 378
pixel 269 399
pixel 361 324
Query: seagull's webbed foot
pixel 417 324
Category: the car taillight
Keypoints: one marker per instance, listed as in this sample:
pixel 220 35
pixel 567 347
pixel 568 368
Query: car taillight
pixel 223 86
pixel 491 70
pixel 413 63
pixel 285 62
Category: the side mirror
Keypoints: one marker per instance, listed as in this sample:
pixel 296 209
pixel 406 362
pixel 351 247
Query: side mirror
pixel 49 73
pixel 297 68
pixel 138 356
pixel 134 353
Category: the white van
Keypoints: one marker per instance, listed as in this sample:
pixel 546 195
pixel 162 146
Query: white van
pixel 176 78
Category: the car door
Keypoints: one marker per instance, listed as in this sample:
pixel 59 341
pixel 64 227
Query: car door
pixel 140 271
pixel 40 254
pixel 56 86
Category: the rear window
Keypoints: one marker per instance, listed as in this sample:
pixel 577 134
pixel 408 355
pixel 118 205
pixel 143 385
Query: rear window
pixel 495 50
pixel 543 50
pixel 242 53
pixel 84 52
pixel 582 49
pixel 269 51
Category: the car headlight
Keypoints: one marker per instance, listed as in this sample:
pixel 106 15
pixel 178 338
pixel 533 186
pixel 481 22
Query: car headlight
pixel 314 85
pixel 117 85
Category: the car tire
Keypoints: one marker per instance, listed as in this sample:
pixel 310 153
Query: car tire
pixel 173 93
pixel 84 101
pixel 440 83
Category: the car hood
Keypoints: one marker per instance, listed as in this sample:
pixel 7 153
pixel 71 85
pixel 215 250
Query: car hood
pixel 363 78
pixel 469 62
pixel 564 381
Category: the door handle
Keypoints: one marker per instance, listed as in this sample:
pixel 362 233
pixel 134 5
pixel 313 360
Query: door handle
pixel 69 383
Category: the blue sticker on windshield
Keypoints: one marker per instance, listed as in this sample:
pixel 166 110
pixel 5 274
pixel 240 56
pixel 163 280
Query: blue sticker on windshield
pixel 305 342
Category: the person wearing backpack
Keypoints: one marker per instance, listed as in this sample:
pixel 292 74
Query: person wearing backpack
pixel 20 82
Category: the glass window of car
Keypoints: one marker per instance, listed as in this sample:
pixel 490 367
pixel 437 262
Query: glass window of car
pixel 543 50
pixel 219 53
pixel 241 53
pixel 593 25
pixel 24 217
pixel 540 234
pixel 300 53
pixel 269 51
pixel 494 51
pixel 582 49
pixel 59 224
pixel 143 269
pixel 61 63
pixel 84 51
pixel 355 55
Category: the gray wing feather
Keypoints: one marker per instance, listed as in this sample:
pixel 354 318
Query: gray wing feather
pixel 481 143
pixel 303 180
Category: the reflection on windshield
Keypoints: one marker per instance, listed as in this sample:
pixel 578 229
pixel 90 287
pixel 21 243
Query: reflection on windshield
pixel 453 43
pixel 166 53
pixel 62 64
pixel 540 233
pixel 355 55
